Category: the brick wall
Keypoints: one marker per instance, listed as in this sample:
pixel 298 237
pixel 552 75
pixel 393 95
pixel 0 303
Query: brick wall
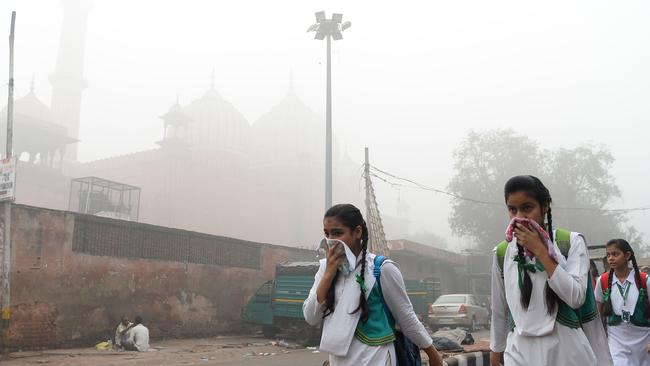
pixel 74 276
pixel 34 324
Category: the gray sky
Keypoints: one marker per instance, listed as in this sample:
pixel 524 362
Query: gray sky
pixel 410 80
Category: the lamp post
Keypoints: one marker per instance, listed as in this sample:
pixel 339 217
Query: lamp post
pixel 5 276
pixel 328 29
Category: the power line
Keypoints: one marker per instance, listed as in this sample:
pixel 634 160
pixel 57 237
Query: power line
pixel 415 185
pixel 431 189
pixel 621 210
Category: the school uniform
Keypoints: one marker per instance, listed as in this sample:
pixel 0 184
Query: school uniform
pixel 629 334
pixel 350 342
pixel 533 337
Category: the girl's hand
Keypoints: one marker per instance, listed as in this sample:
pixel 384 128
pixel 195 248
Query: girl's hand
pixel 434 357
pixel 530 240
pixel 335 256
pixel 649 348
pixel 496 358
pixel 435 362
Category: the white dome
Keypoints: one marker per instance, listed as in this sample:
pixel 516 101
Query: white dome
pixel 216 124
pixel 289 134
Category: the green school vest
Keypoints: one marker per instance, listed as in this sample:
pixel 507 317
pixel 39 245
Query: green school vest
pixel 638 317
pixel 378 329
pixel 567 316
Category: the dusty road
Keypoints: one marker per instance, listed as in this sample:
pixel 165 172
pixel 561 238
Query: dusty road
pixel 210 351
pixel 223 351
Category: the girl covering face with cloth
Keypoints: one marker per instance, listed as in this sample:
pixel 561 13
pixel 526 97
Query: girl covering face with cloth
pixel 622 296
pixel 357 312
pixel 543 310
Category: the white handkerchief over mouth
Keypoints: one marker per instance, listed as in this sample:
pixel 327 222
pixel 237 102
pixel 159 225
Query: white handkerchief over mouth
pixel 350 257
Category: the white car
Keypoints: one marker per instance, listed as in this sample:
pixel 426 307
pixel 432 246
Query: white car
pixel 458 310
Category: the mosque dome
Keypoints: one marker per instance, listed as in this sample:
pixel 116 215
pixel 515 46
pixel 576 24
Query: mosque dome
pixel 32 107
pixel 290 133
pixel 215 124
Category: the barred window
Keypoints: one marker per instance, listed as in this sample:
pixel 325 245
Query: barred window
pixel 105 237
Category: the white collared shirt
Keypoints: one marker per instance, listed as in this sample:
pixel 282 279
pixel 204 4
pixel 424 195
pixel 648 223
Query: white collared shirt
pixel 618 304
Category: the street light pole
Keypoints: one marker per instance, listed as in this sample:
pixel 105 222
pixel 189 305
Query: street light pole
pixel 328 29
pixel 6 242
pixel 328 128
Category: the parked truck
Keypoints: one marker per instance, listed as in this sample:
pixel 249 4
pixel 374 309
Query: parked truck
pixel 277 305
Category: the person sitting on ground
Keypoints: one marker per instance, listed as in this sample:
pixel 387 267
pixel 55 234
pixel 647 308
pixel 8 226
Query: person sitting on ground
pixel 137 337
pixel 120 332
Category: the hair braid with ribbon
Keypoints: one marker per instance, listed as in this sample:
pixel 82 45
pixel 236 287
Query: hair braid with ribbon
pixel 551 297
pixel 361 278
pixel 525 283
pixel 641 286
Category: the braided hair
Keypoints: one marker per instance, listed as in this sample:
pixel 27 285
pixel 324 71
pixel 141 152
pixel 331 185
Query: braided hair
pixel 625 247
pixel 351 217
pixel 536 189
pixel 363 303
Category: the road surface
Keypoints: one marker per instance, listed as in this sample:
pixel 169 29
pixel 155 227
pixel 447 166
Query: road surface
pixel 222 351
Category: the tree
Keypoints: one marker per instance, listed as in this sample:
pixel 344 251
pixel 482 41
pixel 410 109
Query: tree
pixel 483 162
pixel 579 180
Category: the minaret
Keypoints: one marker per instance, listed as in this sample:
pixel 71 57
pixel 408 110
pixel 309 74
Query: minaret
pixel 68 81
pixel 175 127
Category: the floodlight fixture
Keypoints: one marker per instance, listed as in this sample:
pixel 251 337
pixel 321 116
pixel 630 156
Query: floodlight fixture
pixel 329 27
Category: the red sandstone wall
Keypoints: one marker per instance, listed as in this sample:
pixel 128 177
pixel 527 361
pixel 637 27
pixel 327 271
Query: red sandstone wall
pixel 63 297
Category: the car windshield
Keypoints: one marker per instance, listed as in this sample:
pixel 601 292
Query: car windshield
pixel 451 299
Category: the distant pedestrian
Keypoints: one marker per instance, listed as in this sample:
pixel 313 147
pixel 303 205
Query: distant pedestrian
pixel 622 297
pixel 593 273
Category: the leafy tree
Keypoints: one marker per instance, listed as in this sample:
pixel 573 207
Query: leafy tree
pixel 579 180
